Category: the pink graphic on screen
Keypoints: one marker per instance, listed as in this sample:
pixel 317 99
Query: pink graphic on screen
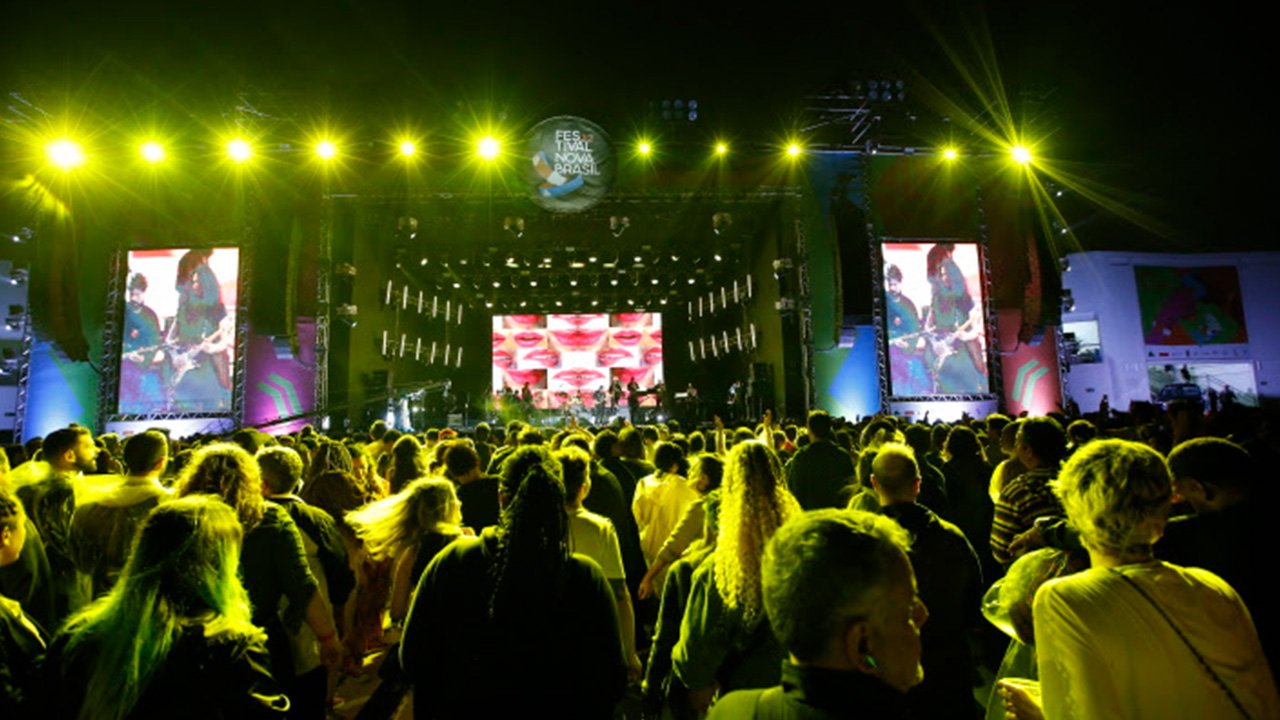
pixel 177 351
pixel 571 359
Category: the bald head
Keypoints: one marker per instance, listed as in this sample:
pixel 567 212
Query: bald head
pixel 894 473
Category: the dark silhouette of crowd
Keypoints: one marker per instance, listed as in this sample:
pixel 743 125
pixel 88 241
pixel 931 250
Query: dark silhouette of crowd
pixel 1033 567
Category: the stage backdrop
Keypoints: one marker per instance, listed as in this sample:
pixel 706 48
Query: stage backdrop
pixel 567 359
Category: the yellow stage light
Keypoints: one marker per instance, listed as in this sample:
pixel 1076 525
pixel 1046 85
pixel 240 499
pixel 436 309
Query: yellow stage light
pixel 326 150
pixel 644 148
pixel 1021 154
pixel 239 150
pixel 488 148
pixel 950 153
pixel 153 152
pixel 794 149
pixel 721 148
pixel 65 153
pixel 408 148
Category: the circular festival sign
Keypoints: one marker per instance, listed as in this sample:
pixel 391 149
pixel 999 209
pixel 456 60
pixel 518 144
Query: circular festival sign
pixel 571 164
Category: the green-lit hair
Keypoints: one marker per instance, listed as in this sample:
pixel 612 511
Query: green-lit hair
pixel 183 570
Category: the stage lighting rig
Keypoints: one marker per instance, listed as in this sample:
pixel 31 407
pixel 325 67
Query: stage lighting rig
pixel 721 222
pixel 618 225
pixel 514 226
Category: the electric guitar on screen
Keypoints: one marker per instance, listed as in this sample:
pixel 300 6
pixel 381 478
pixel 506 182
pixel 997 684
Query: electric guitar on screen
pixel 215 343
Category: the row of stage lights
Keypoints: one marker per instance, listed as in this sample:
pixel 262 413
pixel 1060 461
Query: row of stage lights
pixel 67 154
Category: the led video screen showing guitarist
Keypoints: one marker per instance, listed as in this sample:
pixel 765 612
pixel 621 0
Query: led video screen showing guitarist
pixel 178 345
pixel 934 309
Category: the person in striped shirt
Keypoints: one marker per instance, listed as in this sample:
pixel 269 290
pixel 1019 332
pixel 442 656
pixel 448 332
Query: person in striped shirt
pixel 1040 446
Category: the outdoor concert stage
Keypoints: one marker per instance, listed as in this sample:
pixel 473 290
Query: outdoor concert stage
pixel 568 275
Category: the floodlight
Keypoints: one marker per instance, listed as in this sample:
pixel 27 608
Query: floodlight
pixel 153 152
pixel 408 148
pixel 488 148
pixel 950 153
pixel 1021 154
pixel 794 150
pixel 326 150
pixel 721 148
pixel 644 148
pixel 239 150
pixel 65 153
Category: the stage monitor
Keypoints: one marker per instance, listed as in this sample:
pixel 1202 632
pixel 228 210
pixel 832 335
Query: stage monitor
pixel 178 344
pixel 556 361
pixel 934 319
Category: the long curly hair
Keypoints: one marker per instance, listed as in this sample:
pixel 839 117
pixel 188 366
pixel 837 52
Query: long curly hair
pixel 185 564
pixel 754 503
pixel 231 473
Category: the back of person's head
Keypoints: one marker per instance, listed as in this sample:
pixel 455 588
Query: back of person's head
pixel 391 437
pixel 631 443
pixel 533 543
pixel 335 492
pixel 919 437
pixel 330 455
pixel 408 462
pixel 226 470
pixel 667 457
pixel 962 443
pixel 281 469
pixel 11 519
pixel 710 467
pixel 602 446
pixel 1117 494
pixel 878 430
pixel 1009 436
pixel 1045 439
pixel 145 451
pixel 481 433
pixel 697 442
pixel 578 440
pixel 433 435
pixel 995 423
pixel 895 470
pixel 184 567
pixel 649 434
pixel 60 442
pixel 531 436
pixel 377 430
pixel 460 460
pixel 1215 462
pixel 829 568
pixel 575 464
pixel 820 424
pixel 248 439
pixel 394 524
pixel 1080 432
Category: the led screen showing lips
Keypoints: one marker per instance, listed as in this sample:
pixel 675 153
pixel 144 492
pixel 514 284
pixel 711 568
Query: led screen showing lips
pixel 934 319
pixel 566 359
pixel 177 352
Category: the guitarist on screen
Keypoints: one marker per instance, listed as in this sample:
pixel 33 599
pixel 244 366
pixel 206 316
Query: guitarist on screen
pixel 143 370
pixel 201 336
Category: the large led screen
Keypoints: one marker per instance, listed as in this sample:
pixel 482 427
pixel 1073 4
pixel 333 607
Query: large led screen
pixel 177 353
pixel 934 319
pixel 559 361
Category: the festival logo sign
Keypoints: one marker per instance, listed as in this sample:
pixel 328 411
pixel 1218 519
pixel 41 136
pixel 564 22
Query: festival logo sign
pixel 571 164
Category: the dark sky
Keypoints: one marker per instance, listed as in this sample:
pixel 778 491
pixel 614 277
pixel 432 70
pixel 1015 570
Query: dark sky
pixel 1168 104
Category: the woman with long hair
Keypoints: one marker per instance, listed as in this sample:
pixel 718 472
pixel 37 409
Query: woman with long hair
pixel 725 640
pixel 273 560
pixel 174 637
pixel 408 463
pixel 515 604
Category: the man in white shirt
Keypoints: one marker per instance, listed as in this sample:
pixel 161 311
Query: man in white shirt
pixel 594 536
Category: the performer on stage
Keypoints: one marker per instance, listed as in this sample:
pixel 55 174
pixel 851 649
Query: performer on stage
pixel 907 368
pixel 142 364
pixel 953 319
pixel 201 336
pixel 633 400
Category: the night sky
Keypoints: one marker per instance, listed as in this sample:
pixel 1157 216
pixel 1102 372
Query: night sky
pixel 1165 104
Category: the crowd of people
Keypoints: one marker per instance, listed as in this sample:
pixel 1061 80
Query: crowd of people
pixel 1104 567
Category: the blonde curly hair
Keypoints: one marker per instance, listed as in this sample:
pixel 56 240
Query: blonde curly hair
pixel 231 473
pixel 755 502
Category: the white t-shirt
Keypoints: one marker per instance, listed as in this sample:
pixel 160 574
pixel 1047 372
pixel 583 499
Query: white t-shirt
pixel 1106 652
pixel 593 535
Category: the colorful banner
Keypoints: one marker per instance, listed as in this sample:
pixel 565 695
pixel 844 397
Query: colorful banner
pixel 1190 306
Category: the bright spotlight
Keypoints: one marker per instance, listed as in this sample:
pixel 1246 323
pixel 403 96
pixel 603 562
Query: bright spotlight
pixel 950 153
pixel 1021 154
pixel 326 150
pixel 239 150
pixel 721 148
pixel 153 152
pixel 408 148
pixel 794 150
pixel 644 148
pixel 64 153
pixel 488 147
